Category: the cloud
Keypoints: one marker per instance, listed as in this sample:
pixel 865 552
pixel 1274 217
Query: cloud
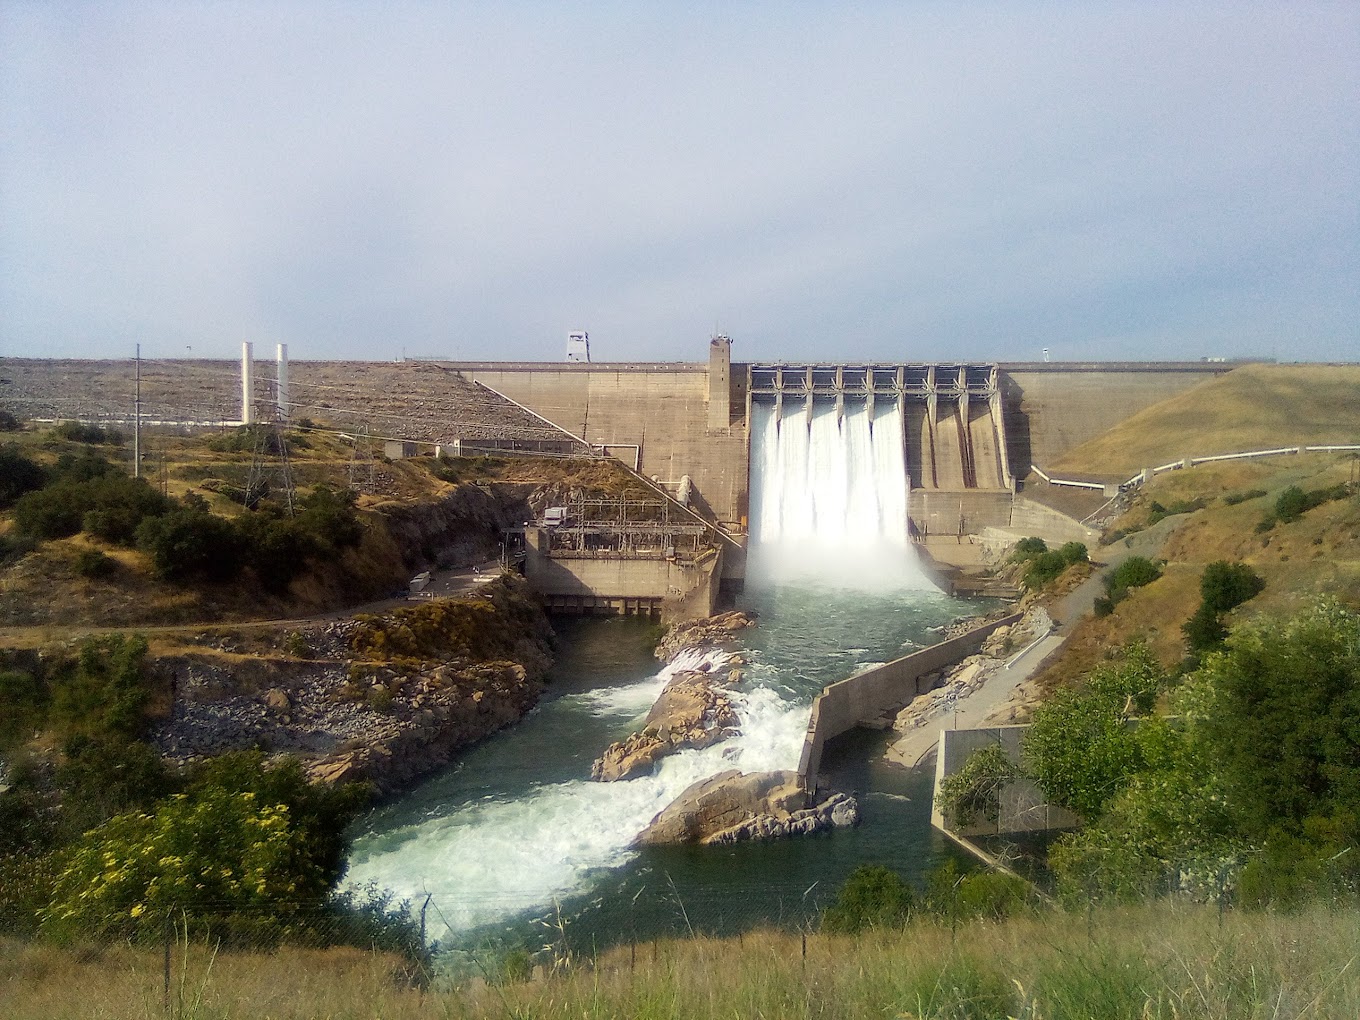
pixel 880 182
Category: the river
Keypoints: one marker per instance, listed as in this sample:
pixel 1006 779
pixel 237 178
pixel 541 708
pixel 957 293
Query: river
pixel 515 835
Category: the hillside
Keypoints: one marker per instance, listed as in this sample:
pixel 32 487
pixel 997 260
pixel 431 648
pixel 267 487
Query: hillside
pixel 1319 554
pixel 1252 408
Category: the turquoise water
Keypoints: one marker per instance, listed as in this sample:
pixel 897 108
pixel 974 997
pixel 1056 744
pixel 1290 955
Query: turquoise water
pixel 515 836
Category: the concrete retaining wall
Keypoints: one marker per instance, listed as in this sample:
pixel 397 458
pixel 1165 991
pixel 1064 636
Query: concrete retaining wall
pixel 1023 807
pixel 862 698
pixel 674 589
pixel 1031 518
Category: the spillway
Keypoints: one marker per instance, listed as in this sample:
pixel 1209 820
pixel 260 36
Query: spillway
pixel 829 496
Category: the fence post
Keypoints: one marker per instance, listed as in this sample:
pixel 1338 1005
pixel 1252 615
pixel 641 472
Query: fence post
pixel 166 931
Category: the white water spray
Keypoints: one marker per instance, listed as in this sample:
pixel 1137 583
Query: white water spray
pixel 829 498
pixel 492 859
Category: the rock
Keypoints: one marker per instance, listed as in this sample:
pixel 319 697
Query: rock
pixel 734 806
pixel 277 700
pixel 691 712
pixel 715 632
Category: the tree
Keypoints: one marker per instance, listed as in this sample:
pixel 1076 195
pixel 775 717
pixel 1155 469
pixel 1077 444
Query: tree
pixel 188 543
pixel 18 475
pixel 1223 587
pixel 1079 748
pixel 1287 728
pixel 975 789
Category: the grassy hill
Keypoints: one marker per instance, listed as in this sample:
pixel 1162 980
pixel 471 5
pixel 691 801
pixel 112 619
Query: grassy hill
pixel 1319 554
pixel 1252 408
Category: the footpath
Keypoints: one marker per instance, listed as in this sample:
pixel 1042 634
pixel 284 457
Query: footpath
pixel 992 702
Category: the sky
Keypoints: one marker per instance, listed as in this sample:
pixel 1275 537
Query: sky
pixel 907 181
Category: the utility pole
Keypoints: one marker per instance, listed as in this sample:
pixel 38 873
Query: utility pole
pixel 137 420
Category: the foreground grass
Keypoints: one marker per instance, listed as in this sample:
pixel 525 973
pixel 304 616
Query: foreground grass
pixel 1154 961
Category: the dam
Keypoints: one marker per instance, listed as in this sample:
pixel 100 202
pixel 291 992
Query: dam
pixel 967 436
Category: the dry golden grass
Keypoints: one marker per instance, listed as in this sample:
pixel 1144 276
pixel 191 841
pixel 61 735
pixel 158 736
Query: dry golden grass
pixel 1316 555
pixel 1252 408
pixel 1158 960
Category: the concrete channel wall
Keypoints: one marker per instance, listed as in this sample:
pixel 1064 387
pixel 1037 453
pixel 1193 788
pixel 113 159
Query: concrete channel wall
pixel 864 697
pixel 1022 806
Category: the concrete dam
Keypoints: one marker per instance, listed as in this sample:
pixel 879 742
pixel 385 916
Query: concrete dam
pixel 962 437
pixel 966 435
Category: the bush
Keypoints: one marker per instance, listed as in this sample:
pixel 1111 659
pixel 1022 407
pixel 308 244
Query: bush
pixel 191 543
pixel 54 511
pixel 1028 548
pixel 78 432
pixel 1234 498
pixel 1045 566
pixel 1134 572
pixel 872 897
pixel 94 564
pixel 1223 587
pixel 1043 569
pixel 1293 503
pixel 8 422
pixel 97 499
pixel 18 475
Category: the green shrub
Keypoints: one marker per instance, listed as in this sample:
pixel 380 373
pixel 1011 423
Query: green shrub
pixel 1028 548
pixel 1223 587
pixel 79 432
pixel 8 422
pixel 1079 749
pixel 1043 569
pixel 871 897
pixel 190 543
pixel 81 467
pixel 24 699
pixel 264 438
pixel 1134 572
pixel 1074 552
pixel 1234 498
pixel 54 511
pixel 14 546
pixel 1293 503
pixel 975 789
pixel 18 475
pixel 94 564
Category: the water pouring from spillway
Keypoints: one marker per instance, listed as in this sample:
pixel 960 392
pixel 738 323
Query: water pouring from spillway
pixel 829 497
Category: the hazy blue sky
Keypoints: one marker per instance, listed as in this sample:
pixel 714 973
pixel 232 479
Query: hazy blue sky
pixel 882 181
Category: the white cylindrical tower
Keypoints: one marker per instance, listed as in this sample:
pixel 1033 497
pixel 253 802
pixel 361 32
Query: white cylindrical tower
pixel 282 396
pixel 247 382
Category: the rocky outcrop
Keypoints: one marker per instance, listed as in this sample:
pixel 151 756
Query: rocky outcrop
pixel 350 719
pixel 734 806
pixel 714 632
pixel 692 711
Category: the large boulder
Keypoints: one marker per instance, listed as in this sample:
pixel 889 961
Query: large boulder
pixel 714 632
pixel 734 806
pixel 692 711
